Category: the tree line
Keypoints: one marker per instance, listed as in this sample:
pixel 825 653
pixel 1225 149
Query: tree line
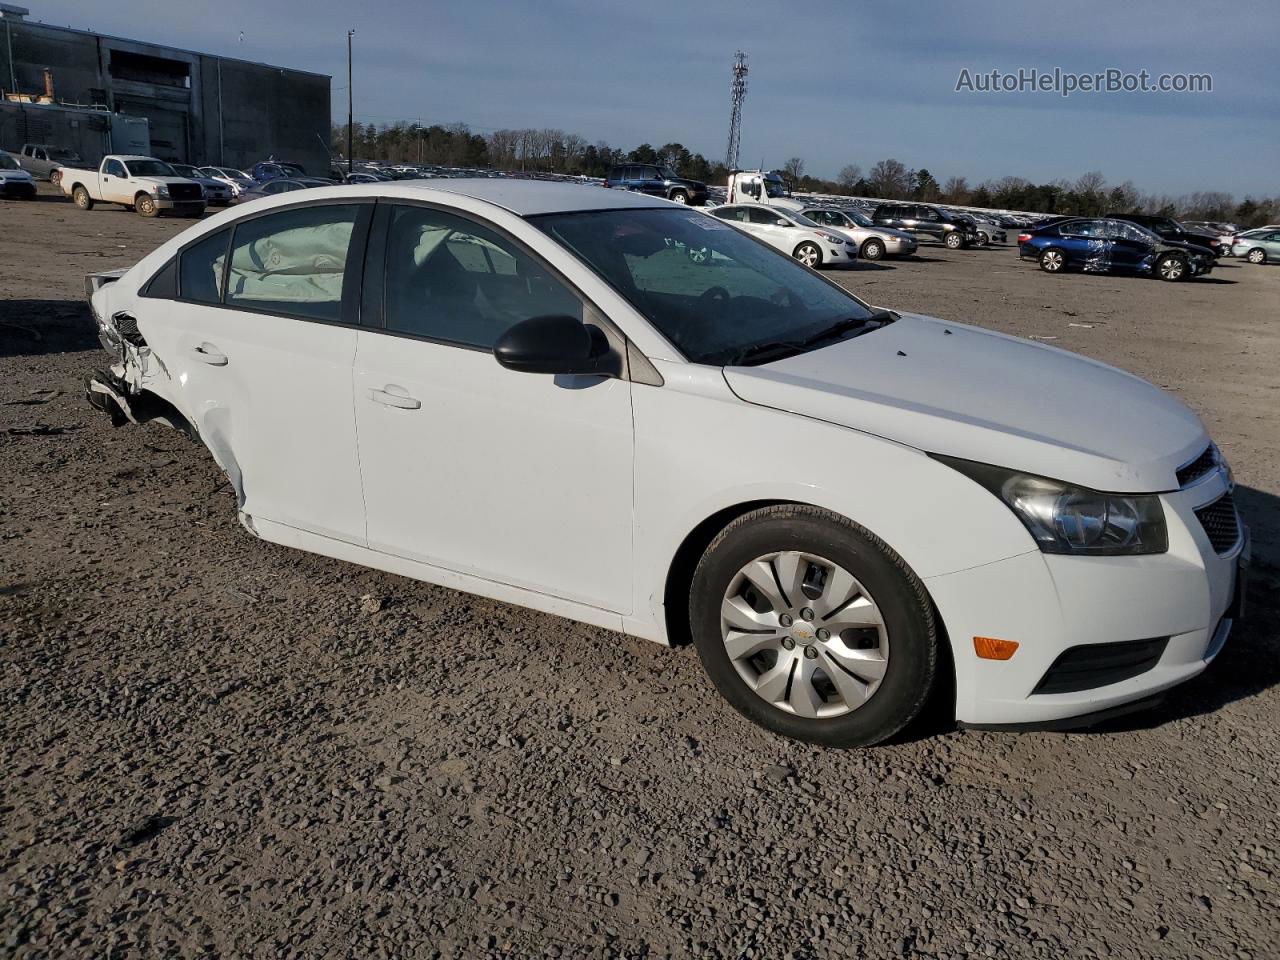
pixel 550 150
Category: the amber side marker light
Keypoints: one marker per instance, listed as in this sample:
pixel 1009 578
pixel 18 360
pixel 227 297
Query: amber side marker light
pixel 989 648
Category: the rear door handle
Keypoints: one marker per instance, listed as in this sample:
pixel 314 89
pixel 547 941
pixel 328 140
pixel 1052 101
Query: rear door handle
pixel 208 353
pixel 394 396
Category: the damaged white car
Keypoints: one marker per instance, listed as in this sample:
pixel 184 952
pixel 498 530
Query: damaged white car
pixel 529 391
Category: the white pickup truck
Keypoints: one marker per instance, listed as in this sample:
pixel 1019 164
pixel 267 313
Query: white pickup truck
pixel 144 184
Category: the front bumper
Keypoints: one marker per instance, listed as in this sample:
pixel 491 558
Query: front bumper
pixel 833 256
pixel 899 248
pixel 186 207
pixel 1183 603
pixel 17 189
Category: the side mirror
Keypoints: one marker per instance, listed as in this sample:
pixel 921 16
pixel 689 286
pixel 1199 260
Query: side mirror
pixel 557 345
pixel 782 223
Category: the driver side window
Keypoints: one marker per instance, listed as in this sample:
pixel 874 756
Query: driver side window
pixel 455 281
pixel 114 168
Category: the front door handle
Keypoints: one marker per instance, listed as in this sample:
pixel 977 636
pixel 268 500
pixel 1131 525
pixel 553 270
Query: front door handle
pixel 394 396
pixel 208 353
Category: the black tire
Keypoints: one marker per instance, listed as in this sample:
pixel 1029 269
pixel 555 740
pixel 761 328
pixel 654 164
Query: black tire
pixel 1053 260
pixel 80 197
pixel 55 177
pixel 810 254
pixel 872 249
pixel 1256 255
pixel 680 196
pixel 913 663
pixel 1171 268
pixel 953 240
pixel 983 239
pixel 145 204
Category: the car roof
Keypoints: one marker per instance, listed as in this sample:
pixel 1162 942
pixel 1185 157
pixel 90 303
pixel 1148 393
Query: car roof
pixel 524 198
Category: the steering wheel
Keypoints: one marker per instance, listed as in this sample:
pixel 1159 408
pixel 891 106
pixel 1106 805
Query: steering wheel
pixel 719 294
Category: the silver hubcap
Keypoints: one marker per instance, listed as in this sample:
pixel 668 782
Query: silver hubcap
pixel 1171 269
pixel 1255 256
pixel 873 251
pixel 698 255
pixel 680 198
pixel 808 255
pixel 804 634
pixel 1052 261
pixel 953 240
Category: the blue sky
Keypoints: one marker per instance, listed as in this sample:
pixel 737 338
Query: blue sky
pixel 835 83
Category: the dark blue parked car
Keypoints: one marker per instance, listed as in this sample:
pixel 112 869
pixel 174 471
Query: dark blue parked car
pixel 657 180
pixel 1112 246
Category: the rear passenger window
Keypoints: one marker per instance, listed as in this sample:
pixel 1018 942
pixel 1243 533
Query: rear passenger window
pixel 453 280
pixel 292 262
pixel 201 269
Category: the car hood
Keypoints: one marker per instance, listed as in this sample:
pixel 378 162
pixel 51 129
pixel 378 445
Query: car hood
pixel 15 174
pixel 964 392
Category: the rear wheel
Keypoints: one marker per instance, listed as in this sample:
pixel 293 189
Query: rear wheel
pixel 872 249
pixel 1256 255
pixel 808 254
pixel 953 240
pixel 1053 260
pixel 1171 267
pixel 813 628
pixel 80 197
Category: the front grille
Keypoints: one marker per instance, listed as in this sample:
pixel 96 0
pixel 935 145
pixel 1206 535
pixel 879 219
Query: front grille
pixel 184 192
pixel 1221 524
pixel 1093 665
pixel 1198 467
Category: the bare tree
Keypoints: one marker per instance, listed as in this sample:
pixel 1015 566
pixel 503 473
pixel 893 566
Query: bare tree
pixel 794 169
pixel 890 179
pixel 956 190
pixel 849 175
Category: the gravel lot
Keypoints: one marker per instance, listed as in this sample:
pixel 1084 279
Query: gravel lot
pixel 219 747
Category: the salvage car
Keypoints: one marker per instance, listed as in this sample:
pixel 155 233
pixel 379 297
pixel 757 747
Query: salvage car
pixel 237 180
pixel 1112 246
pixel 15 183
pixel 1257 246
pixel 526 391
pixel 217 193
pixel 927 222
pixel 792 233
pixel 873 242
pixel 144 184
pixel 45 161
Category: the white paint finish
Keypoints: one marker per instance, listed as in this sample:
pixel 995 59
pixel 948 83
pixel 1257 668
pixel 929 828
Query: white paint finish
pixel 280 407
pixel 983 396
pixel 521 479
pixel 574 501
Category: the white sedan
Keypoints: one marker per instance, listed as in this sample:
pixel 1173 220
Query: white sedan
pixel 792 233
pixel 526 390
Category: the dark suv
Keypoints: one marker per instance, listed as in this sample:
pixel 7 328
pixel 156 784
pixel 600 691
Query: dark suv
pixel 1166 228
pixel 927 222
pixel 658 181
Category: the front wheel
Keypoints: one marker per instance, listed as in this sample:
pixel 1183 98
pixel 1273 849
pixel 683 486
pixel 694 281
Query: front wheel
pixel 146 206
pixel 953 240
pixel 679 196
pixel 873 249
pixel 1171 267
pixel 813 628
pixel 1256 255
pixel 808 254
pixel 80 197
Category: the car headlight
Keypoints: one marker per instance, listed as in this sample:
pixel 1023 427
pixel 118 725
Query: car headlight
pixel 1063 518
pixel 162 190
pixel 831 238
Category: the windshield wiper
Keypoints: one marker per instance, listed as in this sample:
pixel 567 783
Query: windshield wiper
pixel 778 349
pixel 862 324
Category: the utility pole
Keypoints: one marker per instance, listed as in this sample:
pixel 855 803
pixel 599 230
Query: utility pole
pixel 351 158
pixel 738 93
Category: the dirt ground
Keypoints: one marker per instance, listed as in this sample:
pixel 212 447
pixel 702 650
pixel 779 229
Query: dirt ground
pixel 219 747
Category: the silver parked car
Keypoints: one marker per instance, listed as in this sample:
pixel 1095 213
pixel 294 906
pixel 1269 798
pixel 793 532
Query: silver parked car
pixel 1258 246
pixel 873 242
pixel 792 233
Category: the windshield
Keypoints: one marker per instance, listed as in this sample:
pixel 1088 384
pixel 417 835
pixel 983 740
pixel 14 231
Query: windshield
pixel 183 170
pixel 668 174
pixel 775 187
pixel 8 163
pixel 857 218
pixel 293 170
pixel 149 168
pixel 710 289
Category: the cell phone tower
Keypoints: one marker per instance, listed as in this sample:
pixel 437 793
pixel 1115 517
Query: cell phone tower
pixel 739 93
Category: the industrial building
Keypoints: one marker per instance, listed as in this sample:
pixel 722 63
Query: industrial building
pixel 61 84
